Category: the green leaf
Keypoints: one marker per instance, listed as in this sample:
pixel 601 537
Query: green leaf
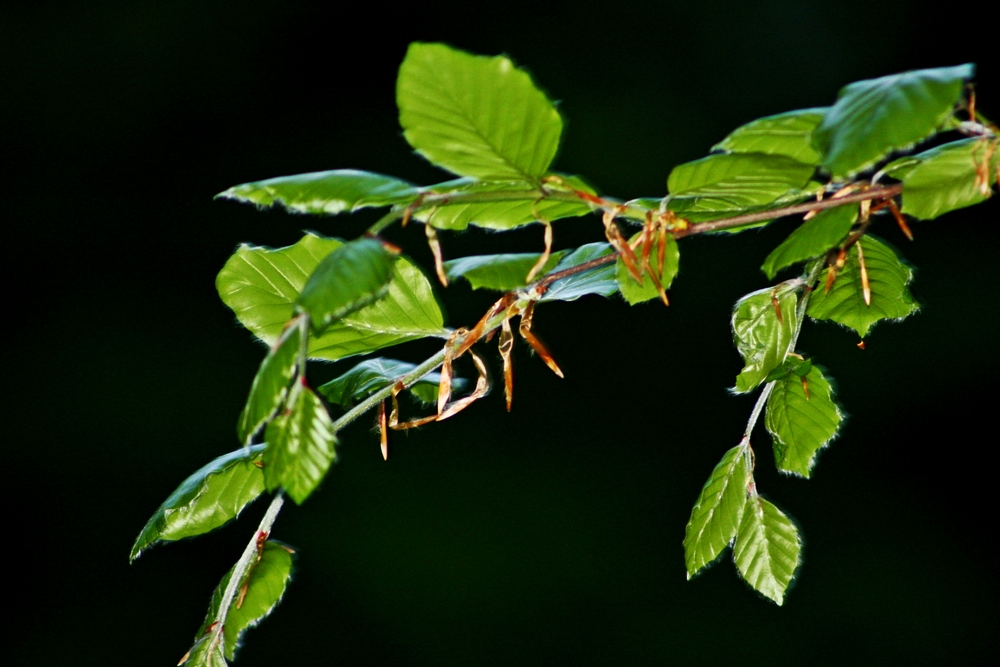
pixel 947 177
pixel 300 445
pixel 208 499
pixel 717 512
pixel 767 548
pixel 877 116
pixel 270 385
pixel 724 185
pixel 812 238
pixel 348 279
pixel 261 285
pixel 476 116
pixel 888 278
pixel 600 281
pixel 787 134
pixel 762 339
pixel 634 292
pixel 801 425
pixel 373 374
pixel 206 652
pixel 498 272
pixel 518 203
pixel 325 192
pixel 265 584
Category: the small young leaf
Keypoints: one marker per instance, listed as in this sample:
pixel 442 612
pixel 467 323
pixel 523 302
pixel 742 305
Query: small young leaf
pixel 596 281
pixel 348 279
pixel 208 499
pixel 787 134
pixel 716 514
pixel 801 424
pixel 325 192
pixel 265 586
pixel 877 116
pixel 476 116
pixel 888 278
pixel 498 272
pixel 735 182
pixel 634 292
pixel 767 548
pixel 812 238
pixel 373 374
pixel 945 178
pixel 270 385
pixel 300 445
pixel 761 336
pixel 261 285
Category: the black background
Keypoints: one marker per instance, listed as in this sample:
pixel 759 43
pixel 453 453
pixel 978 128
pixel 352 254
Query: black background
pixel 553 533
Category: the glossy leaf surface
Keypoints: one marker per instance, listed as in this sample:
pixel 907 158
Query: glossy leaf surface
pixel 948 177
pixel 325 192
pixel 210 498
pixel 634 292
pixel 348 279
pixel 767 548
pixel 519 203
pixel 788 134
pixel 600 281
pixel 761 337
pixel 264 588
pixel 300 445
pixel 888 278
pixel 721 185
pixel 476 116
pixel 812 238
pixel 270 385
pixel 877 116
pixel 801 425
pixel 373 374
pixel 716 514
pixel 499 272
pixel 261 285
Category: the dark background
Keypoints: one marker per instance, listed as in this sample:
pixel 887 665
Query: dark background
pixel 553 533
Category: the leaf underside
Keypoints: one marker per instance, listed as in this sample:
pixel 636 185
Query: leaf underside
pixel 599 281
pixel 761 337
pixel 888 279
pixel 788 134
pixel 499 272
pixel 371 375
pixel 948 177
pixel 767 549
pixel 812 238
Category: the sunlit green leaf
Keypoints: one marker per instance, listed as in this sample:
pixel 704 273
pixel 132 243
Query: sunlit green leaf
pixel 328 192
pixel 761 336
pixel 261 285
pixel 600 281
pixel 476 116
pixel 767 548
pixel 634 292
pixel 947 177
pixel 801 424
pixel 877 116
pixel 373 374
pixel 270 385
pixel 348 279
pixel 520 203
pixel 499 272
pixel 717 512
pixel 300 445
pixel 888 278
pixel 812 238
pixel 786 134
pixel 265 586
pixel 211 497
pixel 724 185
